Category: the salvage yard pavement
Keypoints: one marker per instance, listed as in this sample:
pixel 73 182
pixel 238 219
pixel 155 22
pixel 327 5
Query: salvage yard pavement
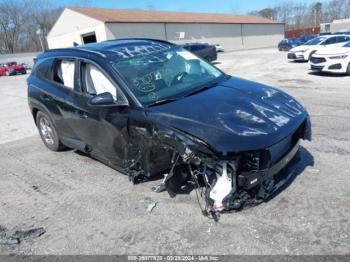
pixel 76 205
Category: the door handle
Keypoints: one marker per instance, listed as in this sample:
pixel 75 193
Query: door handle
pixel 82 114
pixel 46 97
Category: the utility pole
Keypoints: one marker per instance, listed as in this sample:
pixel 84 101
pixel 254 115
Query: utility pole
pixel 39 33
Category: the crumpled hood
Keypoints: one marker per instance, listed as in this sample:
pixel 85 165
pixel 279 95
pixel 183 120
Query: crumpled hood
pixel 334 51
pixel 237 115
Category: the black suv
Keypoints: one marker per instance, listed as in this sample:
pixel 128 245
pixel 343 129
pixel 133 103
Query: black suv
pixel 149 108
pixel 205 51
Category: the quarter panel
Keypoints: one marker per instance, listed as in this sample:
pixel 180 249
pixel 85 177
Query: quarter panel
pixel 51 99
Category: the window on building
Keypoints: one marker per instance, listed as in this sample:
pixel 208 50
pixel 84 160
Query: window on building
pixel 89 38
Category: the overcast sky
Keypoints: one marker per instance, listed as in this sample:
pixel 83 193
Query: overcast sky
pixel 220 6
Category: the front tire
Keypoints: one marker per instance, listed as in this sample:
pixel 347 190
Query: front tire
pixel 48 132
pixel 348 70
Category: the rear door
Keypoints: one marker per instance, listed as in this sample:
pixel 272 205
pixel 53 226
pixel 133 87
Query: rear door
pixel 51 90
pixel 103 129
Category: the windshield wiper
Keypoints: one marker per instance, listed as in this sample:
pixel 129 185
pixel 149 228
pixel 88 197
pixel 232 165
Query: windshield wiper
pixel 203 88
pixel 162 101
pixel 169 100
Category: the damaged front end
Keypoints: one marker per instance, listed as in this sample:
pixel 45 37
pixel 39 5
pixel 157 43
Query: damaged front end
pixel 225 181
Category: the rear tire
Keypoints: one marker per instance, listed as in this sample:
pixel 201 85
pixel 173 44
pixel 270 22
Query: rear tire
pixel 48 132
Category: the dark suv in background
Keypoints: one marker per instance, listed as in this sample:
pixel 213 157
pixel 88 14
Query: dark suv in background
pixel 287 44
pixel 203 50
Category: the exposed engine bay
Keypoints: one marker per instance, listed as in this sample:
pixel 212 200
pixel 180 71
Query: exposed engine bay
pixel 222 182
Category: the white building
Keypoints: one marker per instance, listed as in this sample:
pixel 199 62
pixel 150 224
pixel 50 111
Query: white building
pixel 86 25
pixel 336 26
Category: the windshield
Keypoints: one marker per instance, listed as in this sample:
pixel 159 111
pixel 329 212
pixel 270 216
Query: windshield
pixel 168 73
pixel 315 41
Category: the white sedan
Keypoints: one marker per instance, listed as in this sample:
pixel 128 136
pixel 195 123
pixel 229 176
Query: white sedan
pixel 332 60
pixel 219 48
pixel 305 51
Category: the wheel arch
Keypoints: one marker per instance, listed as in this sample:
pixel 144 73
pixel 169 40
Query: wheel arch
pixel 36 107
pixel 35 113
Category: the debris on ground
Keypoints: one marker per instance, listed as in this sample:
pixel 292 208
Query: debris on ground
pixel 313 170
pixel 14 237
pixel 151 207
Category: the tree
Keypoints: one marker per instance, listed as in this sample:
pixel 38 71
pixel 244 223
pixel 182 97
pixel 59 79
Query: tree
pixel 40 19
pixel 20 20
pixel 11 21
pixel 337 9
pixel 300 15
pixel 269 13
pixel 317 11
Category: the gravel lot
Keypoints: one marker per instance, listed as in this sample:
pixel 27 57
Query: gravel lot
pixel 88 208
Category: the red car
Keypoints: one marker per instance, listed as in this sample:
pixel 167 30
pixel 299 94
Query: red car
pixel 11 68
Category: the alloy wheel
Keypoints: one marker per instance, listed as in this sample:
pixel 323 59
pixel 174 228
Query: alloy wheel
pixel 46 131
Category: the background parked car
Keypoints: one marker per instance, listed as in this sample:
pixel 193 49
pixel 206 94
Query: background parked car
pixel 205 51
pixel 305 38
pixel 219 48
pixel 342 33
pixel 287 44
pixel 26 66
pixel 11 68
pixel 305 51
pixel 324 33
pixel 332 60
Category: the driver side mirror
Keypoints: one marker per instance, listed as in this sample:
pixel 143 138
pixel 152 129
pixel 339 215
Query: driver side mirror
pixel 105 100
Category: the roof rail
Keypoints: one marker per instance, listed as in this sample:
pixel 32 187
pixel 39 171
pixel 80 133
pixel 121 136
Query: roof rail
pixel 80 48
pixel 91 51
pixel 141 38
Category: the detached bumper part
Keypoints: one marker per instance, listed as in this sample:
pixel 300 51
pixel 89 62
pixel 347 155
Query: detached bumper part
pixel 224 186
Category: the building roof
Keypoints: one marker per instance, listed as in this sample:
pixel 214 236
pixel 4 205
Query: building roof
pixel 142 16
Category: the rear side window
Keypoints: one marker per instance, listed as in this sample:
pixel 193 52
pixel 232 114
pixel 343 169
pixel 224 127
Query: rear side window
pixel 341 39
pixel 43 69
pixel 329 41
pixel 63 72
